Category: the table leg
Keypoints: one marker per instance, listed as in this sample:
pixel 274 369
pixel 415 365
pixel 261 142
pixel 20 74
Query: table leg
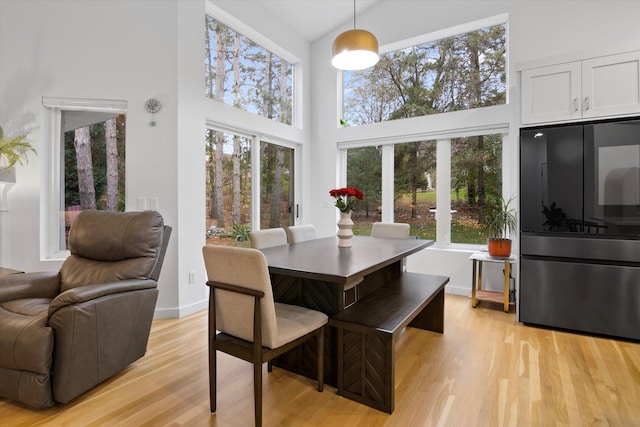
pixel 473 285
pixel 507 274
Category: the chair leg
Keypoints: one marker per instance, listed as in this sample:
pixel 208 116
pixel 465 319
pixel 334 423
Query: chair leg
pixel 320 359
pixel 257 392
pixel 212 379
pixel 269 366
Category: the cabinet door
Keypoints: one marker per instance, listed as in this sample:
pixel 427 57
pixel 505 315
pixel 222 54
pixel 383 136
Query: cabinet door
pixel 551 94
pixel 611 85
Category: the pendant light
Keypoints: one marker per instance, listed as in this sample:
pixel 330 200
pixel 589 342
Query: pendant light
pixel 355 49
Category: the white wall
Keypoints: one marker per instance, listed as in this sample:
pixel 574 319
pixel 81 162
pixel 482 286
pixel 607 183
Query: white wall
pixel 134 50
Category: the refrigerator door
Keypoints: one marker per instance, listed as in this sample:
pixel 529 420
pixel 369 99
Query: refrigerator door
pixel 594 298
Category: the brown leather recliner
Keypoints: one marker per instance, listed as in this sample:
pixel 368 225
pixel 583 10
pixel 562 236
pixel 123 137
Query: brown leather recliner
pixel 62 333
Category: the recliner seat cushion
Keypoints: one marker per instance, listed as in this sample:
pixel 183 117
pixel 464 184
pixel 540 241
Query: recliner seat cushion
pixel 26 341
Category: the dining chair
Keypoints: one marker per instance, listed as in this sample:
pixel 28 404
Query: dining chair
pixel 396 230
pixel 300 233
pixel 267 238
pixel 252 326
pixel 393 230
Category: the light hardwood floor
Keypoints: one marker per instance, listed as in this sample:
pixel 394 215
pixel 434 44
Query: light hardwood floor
pixel 485 370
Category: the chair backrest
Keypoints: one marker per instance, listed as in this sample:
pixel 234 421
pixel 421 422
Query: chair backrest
pixel 112 246
pixel 267 238
pixel 248 268
pixel 300 233
pixel 396 230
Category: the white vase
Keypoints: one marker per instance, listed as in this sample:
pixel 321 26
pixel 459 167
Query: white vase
pixel 345 232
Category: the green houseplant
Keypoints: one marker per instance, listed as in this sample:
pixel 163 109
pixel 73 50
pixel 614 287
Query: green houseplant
pixel 13 150
pixel 500 221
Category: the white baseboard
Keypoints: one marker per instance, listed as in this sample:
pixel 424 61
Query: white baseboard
pixel 178 312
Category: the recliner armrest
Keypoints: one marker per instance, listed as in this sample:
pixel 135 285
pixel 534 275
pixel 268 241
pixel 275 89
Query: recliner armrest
pixel 86 293
pixel 45 284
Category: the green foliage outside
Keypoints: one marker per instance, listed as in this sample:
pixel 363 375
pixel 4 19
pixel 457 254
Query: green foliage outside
pixel 99 157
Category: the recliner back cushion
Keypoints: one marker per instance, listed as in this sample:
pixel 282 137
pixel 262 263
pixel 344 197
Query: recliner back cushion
pixel 111 246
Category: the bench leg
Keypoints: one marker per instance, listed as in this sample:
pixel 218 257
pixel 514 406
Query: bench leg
pixel 431 317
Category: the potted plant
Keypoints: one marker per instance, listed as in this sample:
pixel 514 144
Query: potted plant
pixel 500 221
pixel 13 150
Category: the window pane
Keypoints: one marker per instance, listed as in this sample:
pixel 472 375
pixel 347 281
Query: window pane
pixel 94 164
pixel 476 176
pixel 457 73
pixel 415 187
pixel 364 172
pixel 276 186
pixel 228 189
pixel 241 73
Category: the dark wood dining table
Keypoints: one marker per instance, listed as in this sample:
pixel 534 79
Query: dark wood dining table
pixel 315 273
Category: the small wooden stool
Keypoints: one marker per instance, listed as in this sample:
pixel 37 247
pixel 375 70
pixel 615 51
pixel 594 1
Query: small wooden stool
pixel 481 295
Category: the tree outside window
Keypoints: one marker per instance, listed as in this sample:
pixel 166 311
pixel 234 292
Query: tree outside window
pixel 457 73
pixel 241 73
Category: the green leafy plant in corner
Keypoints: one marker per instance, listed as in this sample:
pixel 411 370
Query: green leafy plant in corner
pixel 500 219
pixel 14 150
pixel 240 232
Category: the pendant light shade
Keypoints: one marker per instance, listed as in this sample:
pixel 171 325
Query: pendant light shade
pixel 355 50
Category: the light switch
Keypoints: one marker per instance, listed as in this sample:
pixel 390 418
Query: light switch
pixel 141 203
pixel 153 203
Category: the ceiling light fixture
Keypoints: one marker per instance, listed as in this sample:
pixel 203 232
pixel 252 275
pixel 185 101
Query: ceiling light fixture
pixel 355 49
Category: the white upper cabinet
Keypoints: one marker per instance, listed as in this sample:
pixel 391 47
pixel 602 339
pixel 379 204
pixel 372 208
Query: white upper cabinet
pixel 598 87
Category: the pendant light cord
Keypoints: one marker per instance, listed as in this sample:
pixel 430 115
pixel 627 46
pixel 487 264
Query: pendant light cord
pixel 354 14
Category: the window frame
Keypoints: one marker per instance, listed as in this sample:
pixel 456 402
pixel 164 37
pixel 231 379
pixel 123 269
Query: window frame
pixel 296 79
pixel 441 127
pixel 52 187
pixel 256 140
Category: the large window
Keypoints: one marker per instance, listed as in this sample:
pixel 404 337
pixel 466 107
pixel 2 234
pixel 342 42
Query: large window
pixel 234 206
pixel 228 163
pixel 460 72
pixel 474 171
pixel 85 164
pixel 241 73
pixel 365 173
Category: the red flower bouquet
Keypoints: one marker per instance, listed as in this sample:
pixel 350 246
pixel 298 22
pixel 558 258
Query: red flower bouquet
pixel 346 197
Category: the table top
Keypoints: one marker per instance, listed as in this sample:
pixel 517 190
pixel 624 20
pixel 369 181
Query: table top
pixel 484 256
pixel 322 259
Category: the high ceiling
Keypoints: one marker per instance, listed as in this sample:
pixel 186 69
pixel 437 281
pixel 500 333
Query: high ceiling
pixel 312 19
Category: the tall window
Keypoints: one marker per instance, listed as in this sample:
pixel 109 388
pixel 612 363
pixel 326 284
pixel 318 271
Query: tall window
pixel 241 73
pixel 414 186
pixel 94 163
pixel 476 177
pixel 365 173
pixel 276 185
pixel 456 73
pixel 234 206
pixel 85 164
pixel 228 163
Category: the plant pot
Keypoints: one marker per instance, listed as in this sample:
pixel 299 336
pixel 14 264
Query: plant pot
pixel 499 247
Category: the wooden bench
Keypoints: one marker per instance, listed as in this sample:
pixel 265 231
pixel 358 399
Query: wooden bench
pixel 367 331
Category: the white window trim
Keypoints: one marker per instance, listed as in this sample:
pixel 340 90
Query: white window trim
pixel 52 194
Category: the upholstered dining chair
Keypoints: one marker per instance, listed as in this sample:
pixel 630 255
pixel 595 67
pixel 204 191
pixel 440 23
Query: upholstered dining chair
pixel 252 326
pixel 62 333
pixel 392 230
pixel 301 233
pixel 396 230
pixel 268 237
